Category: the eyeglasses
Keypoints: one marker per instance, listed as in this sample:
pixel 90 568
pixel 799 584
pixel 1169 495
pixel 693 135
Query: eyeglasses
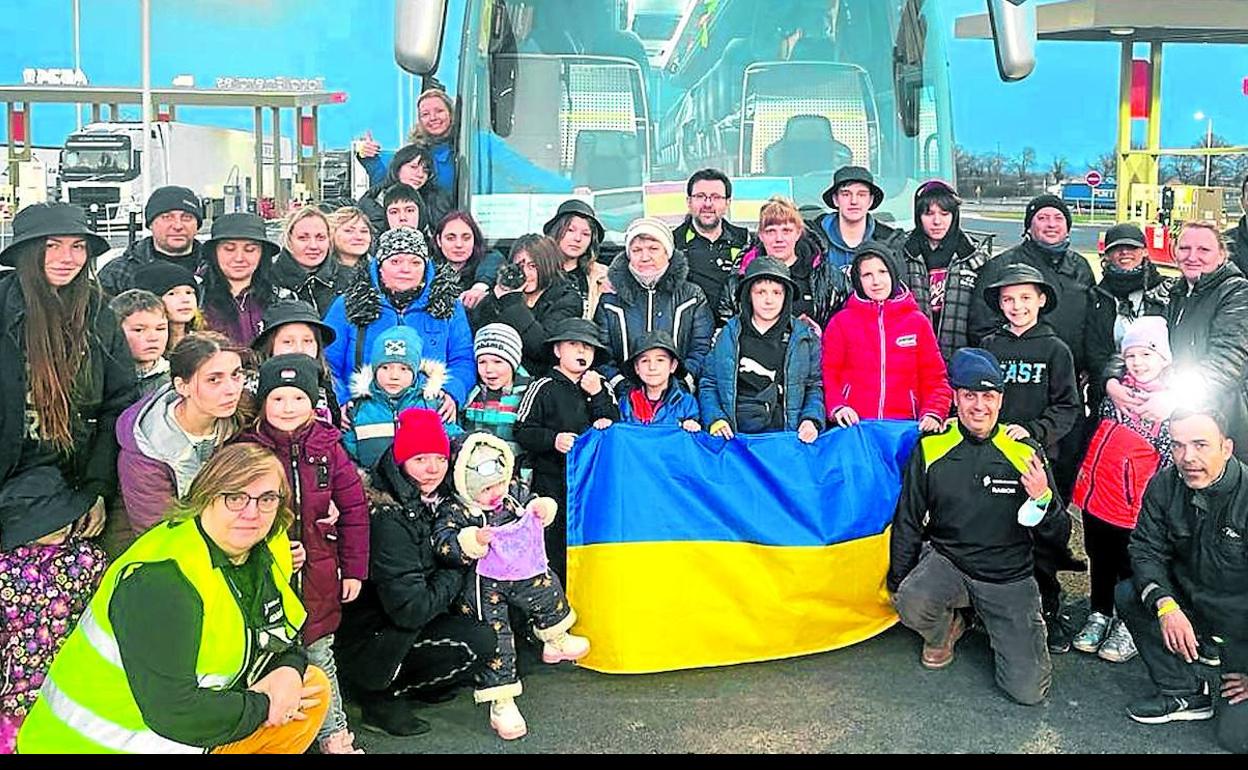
pixel 488 468
pixel 265 503
pixel 704 198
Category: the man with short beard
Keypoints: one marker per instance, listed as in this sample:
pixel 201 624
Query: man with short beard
pixel 174 215
pixel 712 245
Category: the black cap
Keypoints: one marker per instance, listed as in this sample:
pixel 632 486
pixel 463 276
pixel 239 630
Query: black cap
pixel 160 276
pixel 1046 201
pixel 1014 275
pixel 975 369
pixel 576 330
pixel 242 227
pixel 293 370
pixel 1125 234
pixel 46 220
pixel 292 311
pixel 173 198
pixel 579 208
pixel 846 174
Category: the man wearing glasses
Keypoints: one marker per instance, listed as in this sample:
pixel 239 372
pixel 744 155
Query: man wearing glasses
pixel 711 243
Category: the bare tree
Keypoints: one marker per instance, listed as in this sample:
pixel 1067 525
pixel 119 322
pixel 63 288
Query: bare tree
pixel 1058 169
pixel 1024 161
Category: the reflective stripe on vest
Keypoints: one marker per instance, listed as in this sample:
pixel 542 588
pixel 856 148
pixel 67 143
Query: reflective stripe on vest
pixel 81 720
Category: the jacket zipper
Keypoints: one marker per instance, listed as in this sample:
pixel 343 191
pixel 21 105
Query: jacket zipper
pixel 297 510
pixel 883 364
pixel 649 312
pixel 1096 461
pixel 1126 483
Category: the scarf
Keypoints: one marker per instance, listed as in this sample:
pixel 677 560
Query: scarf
pixel 940 257
pixel 401 299
pixel 1121 283
pixel 647 282
pixel 1054 251
pixel 643 408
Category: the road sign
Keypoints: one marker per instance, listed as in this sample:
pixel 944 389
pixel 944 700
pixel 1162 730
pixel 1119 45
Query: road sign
pixel 1093 178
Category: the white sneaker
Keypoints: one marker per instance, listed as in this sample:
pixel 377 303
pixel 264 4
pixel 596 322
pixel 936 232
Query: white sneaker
pixel 1119 647
pixel 565 647
pixel 1092 634
pixel 507 720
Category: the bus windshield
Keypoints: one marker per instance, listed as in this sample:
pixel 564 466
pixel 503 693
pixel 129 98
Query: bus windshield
pixel 618 101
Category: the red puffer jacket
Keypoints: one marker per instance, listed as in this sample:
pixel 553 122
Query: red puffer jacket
pixel 320 472
pixel 881 359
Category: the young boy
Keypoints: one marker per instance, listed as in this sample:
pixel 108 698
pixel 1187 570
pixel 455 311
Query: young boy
pixel 141 315
pixel 763 364
pixel 404 207
pixel 1040 403
pixel 501 538
pixel 1041 398
pixel 394 379
pixel 501 384
pixel 653 395
pixel 555 410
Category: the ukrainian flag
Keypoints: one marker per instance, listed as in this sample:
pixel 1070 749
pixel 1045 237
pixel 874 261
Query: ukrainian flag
pixel 686 550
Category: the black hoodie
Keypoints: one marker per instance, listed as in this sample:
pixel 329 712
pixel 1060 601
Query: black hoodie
pixel 1040 391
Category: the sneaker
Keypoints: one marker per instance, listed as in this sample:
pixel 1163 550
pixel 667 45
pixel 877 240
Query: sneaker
pixel 1119 647
pixel 1092 634
pixel 1055 631
pixel 392 716
pixel 341 742
pixel 936 657
pixel 1160 709
pixel 1209 651
pixel 506 719
pixel 565 647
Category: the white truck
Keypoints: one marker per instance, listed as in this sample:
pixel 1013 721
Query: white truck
pixel 102 168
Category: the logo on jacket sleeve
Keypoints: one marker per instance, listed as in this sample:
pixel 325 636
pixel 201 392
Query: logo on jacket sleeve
pixel 907 340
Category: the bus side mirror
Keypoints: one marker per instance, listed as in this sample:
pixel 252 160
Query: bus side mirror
pixel 418 34
pixel 1014 34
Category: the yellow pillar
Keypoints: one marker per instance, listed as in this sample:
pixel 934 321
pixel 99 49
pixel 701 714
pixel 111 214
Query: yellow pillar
pixel 1124 171
pixel 1154 113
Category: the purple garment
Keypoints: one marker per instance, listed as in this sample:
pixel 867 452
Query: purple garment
pixel 242 325
pixel 148 486
pixel 517 552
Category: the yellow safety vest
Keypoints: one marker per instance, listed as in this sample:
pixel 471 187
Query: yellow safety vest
pixel 85 705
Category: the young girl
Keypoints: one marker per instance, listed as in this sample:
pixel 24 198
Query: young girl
pixel 489 528
pixel 319 473
pixel 292 326
pixel 1125 453
pixel 180 291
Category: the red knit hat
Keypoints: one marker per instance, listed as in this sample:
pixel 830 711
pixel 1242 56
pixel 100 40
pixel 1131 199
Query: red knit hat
pixel 420 432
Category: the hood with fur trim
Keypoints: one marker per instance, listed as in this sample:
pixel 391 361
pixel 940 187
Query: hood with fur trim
pixel 626 286
pixel 459 474
pixel 364 385
pixel 363 297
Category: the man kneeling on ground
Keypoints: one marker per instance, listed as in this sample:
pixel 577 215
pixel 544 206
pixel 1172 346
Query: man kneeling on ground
pixel 974 504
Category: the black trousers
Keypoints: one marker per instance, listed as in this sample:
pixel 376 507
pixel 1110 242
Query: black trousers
pixel 555 486
pixel 1106 545
pixel 451 650
pixel 1172 676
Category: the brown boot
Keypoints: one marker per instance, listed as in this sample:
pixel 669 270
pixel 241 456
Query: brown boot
pixel 939 656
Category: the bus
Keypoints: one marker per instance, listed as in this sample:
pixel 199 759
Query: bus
pixel 618 101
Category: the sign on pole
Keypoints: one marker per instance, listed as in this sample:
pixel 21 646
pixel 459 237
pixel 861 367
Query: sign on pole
pixel 1094 178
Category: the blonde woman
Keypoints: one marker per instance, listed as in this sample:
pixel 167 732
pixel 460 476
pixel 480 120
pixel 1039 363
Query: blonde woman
pixel 352 236
pixel 306 268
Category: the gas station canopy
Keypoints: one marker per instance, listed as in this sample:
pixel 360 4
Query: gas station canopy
pixel 1144 21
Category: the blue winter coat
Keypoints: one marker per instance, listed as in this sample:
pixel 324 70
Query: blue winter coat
pixel 678 405
pixel 803 380
pixel 375 413
pixel 436 314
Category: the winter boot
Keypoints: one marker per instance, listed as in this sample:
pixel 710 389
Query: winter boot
pixel 563 647
pixel 506 719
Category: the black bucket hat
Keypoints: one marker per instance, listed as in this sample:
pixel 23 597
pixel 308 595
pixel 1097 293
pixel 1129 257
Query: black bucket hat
pixel 47 220
pixel 292 311
pixel 766 267
pixel 242 227
pixel 1014 275
pixel 579 208
pixel 36 503
pixel 657 339
pixel 576 330
pixel 847 174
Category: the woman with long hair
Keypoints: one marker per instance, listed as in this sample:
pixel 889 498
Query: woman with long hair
pixel 352 236
pixel 412 165
pixel 238 276
pixel 578 233
pixel 461 245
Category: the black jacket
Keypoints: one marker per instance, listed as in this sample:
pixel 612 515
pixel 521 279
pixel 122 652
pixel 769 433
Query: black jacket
pixel 406 589
pixel 1193 546
pixel 674 305
pixel 1071 278
pixel 962 494
pixel 553 405
pixel 318 288
pixel 92 466
pixel 711 263
pixel 1237 242
pixel 558 302
pixel 1209 332
pixel 1040 390
pixel 822 287
pixel 1114 296
pixel 118 275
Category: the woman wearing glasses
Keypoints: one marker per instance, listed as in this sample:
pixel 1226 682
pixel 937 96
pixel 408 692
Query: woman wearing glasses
pixel 167 437
pixel 189 644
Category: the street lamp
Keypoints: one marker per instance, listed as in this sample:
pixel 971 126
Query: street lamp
pixel 1208 145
